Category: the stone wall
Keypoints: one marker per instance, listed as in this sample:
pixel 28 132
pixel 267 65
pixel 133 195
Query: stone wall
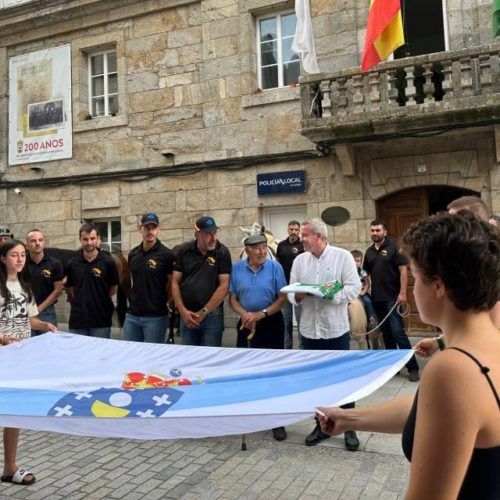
pixel 188 93
pixel 187 76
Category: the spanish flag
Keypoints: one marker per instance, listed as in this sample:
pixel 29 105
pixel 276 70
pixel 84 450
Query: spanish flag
pixel 384 32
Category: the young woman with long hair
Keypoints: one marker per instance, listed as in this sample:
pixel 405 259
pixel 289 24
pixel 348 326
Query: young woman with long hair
pixel 18 314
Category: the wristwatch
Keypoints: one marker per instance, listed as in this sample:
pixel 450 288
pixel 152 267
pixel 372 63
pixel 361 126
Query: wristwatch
pixel 204 310
pixel 266 314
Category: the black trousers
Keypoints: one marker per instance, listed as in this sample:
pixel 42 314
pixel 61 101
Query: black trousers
pixel 393 331
pixel 269 333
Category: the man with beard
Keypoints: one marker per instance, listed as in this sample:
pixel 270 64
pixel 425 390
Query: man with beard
pixel 287 251
pixel 324 323
pixel 199 284
pixel 254 294
pixel 46 278
pixel 151 265
pixel 388 271
pixel 92 281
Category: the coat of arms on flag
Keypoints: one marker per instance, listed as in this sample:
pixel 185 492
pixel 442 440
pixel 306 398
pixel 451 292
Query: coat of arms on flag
pixel 116 403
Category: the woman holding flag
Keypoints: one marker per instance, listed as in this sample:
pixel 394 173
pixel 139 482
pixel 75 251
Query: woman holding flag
pixel 18 314
pixel 451 429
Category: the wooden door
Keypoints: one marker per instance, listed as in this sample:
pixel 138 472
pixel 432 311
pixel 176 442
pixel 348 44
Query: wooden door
pixel 398 211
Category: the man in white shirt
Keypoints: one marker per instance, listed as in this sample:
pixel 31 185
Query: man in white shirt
pixel 324 324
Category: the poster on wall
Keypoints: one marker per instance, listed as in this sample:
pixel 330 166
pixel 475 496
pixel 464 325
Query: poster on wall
pixel 40 127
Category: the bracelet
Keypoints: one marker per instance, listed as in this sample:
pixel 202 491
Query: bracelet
pixel 440 342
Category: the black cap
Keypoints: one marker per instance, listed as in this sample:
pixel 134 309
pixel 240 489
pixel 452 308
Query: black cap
pixel 150 219
pixel 255 239
pixel 4 231
pixel 205 224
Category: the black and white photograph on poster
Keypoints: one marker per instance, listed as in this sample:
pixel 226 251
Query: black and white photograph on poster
pixel 45 115
pixel 40 121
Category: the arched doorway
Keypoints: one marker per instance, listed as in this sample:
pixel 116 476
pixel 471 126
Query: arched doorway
pixel 400 209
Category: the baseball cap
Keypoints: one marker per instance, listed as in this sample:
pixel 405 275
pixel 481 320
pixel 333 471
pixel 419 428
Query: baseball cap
pixel 205 224
pixel 150 218
pixel 4 231
pixel 255 239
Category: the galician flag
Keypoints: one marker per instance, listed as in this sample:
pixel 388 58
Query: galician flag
pixel 496 18
pixel 73 384
pixel 384 32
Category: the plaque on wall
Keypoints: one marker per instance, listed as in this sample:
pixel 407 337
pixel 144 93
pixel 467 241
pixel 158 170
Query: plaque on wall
pixel 293 181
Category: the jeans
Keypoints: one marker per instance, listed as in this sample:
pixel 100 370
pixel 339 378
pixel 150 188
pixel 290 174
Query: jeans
pixel 48 315
pixel 338 344
pixel 209 333
pixel 369 309
pixel 151 329
pixel 288 312
pixel 393 331
pixel 103 332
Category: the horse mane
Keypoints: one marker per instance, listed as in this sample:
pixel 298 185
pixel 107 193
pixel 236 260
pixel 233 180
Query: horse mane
pixel 256 228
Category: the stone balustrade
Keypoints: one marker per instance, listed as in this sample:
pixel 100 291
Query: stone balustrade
pixel 445 89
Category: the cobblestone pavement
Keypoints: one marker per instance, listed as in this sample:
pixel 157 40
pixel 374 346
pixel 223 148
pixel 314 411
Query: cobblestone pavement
pixel 71 467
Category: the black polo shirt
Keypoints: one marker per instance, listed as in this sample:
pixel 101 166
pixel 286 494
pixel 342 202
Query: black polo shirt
pixel 44 275
pixel 150 270
pixel 286 253
pixel 200 273
pixel 92 306
pixel 383 267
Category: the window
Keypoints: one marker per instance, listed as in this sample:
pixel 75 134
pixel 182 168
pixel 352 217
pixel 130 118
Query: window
pixel 103 84
pixel 278 65
pixel 424 27
pixel 111 234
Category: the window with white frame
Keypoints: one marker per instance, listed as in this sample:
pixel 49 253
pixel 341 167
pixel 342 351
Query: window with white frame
pixel 111 234
pixel 103 84
pixel 278 65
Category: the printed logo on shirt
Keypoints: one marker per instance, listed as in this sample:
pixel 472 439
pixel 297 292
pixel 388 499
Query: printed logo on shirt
pixel 211 261
pixel 152 264
pixel 295 250
pixel 384 252
pixel 96 272
pixel 46 273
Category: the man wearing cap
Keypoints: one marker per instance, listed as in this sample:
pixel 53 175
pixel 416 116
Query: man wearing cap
pixel 5 235
pixel 151 265
pixel 254 294
pixel 47 278
pixel 199 285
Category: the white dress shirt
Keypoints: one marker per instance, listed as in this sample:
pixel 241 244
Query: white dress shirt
pixel 324 318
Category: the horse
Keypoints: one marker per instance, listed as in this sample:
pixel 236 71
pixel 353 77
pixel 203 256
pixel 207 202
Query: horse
pixel 358 323
pixel 256 228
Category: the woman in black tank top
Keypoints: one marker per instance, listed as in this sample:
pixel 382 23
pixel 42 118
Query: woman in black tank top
pixel 451 429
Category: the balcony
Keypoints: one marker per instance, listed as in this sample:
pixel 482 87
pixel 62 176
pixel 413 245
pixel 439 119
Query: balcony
pixel 407 97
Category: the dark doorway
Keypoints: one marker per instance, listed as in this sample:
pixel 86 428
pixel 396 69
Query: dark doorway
pixel 400 209
pixel 423 27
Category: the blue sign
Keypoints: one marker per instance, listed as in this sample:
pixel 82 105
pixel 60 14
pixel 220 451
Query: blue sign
pixel 281 182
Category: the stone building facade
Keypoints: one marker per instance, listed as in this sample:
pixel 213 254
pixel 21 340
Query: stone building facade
pixel 192 128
